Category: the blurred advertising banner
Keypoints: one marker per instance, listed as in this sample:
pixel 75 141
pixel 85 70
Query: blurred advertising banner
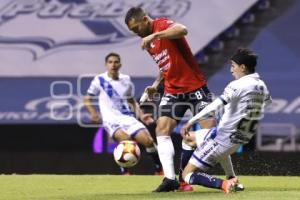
pixel 50 100
pixel 72 37
pixel 60 101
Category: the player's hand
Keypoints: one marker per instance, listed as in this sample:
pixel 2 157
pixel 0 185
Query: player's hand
pixel 147 118
pixel 95 118
pixel 150 91
pixel 185 129
pixel 146 41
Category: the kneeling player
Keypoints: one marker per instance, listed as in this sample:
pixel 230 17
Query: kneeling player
pixel 243 101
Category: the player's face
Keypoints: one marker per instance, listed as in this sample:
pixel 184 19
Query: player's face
pixel 140 27
pixel 113 65
pixel 236 70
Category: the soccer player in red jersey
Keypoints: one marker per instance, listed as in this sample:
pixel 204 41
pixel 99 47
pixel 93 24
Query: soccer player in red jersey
pixel 184 85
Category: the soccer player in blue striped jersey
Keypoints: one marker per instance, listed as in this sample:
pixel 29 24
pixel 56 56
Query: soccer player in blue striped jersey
pixel 118 108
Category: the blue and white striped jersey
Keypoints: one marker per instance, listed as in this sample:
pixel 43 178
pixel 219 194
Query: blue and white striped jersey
pixel 112 95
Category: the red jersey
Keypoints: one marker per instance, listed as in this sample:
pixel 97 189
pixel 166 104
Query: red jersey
pixel 176 62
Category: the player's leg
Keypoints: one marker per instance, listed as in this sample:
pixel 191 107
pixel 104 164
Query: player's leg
pixel 143 137
pixel 203 159
pixel 200 136
pixel 166 153
pixel 198 100
pixel 189 143
pixel 171 110
pixel 120 135
pixel 137 131
pixel 187 149
pixel 227 166
pixel 196 139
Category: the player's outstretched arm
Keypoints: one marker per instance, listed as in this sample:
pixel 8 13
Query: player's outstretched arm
pixel 150 90
pixel 144 117
pixel 173 32
pixel 217 103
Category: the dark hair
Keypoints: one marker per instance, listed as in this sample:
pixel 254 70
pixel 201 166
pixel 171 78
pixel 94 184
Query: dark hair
pixel 247 57
pixel 112 54
pixel 134 13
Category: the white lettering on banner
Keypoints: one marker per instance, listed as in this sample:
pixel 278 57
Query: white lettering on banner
pixel 18 115
pixel 293 107
pixel 47 108
pixel 283 106
pixel 76 35
pixel 55 8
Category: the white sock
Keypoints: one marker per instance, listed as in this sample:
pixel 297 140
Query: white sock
pixel 227 166
pixel 151 149
pixel 166 154
pixel 187 178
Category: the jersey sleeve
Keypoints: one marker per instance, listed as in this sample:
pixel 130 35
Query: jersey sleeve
pixel 230 92
pixel 164 24
pixel 94 88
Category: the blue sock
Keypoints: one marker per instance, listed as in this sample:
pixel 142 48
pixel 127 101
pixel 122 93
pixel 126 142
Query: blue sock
pixel 200 178
pixel 185 157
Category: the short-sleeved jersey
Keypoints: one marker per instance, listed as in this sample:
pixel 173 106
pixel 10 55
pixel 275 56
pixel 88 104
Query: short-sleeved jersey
pixel 176 62
pixel 245 99
pixel 112 95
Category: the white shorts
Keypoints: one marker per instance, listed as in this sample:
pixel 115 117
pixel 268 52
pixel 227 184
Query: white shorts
pixel 128 124
pixel 204 134
pixel 209 153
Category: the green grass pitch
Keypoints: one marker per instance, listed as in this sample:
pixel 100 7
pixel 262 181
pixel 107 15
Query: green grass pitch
pixel 109 187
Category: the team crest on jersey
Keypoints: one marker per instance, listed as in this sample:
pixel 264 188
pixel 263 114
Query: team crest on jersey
pixel 44 27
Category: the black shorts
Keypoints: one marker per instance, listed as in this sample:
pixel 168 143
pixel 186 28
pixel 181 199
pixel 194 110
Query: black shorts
pixel 175 106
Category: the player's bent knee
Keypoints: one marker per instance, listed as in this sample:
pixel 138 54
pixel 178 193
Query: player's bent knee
pixel 120 136
pixel 186 145
pixel 149 143
pixel 189 142
pixel 145 139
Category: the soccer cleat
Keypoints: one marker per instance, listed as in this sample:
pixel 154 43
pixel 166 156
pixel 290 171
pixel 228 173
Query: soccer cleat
pixel 239 187
pixel 167 185
pixel 184 187
pixel 229 185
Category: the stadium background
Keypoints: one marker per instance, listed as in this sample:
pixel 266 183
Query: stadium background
pixel 39 71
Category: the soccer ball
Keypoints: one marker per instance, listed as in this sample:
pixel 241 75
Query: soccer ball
pixel 127 153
